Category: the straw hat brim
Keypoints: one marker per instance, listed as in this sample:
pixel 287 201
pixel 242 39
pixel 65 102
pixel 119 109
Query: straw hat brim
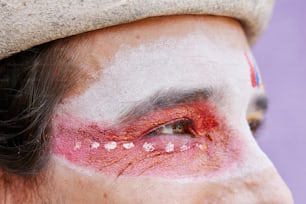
pixel 25 24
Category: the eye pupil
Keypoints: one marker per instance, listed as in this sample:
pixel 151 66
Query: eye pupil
pixel 178 128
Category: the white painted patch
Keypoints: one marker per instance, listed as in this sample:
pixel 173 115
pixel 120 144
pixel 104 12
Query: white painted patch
pixel 187 63
pixel 95 145
pixel 148 147
pixel 128 145
pixel 170 147
pixel 159 65
pixel 201 147
pixel 184 148
pixel 110 145
pixel 77 146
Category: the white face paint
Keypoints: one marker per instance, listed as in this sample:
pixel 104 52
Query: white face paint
pixel 138 72
pixel 197 59
pixel 184 148
pixel 77 146
pixel 201 147
pixel 170 147
pixel 148 147
pixel 95 145
pixel 110 146
pixel 129 145
pixel 185 63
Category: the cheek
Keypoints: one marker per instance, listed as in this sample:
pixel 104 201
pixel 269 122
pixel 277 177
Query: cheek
pixel 251 188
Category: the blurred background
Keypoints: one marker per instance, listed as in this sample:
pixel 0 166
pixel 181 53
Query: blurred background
pixel 281 55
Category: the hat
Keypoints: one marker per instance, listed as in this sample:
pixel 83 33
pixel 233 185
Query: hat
pixel 25 24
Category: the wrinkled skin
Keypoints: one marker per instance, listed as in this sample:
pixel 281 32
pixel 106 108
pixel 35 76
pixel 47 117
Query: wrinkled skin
pixel 125 64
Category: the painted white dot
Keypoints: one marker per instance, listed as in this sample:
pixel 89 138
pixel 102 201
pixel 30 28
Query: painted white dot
pixel 95 145
pixel 170 147
pixel 148 147
pixel 201 146
pixel 110 145
pixel 184 148
pixel 128 145
pixel 77 146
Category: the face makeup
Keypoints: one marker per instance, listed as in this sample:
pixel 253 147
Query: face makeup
pixel 131 137
pixel 90 135
pixel 143 147
pixel 254 71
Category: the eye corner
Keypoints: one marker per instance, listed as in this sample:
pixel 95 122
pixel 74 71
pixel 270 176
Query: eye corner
pixel 255 121
pixel 255 125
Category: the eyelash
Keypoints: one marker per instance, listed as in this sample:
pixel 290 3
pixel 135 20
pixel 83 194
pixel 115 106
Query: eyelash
pixel 184 126
pixel 179 127
pixel 254 125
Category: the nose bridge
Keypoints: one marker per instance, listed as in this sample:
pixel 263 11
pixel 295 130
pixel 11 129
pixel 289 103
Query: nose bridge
pixel 267 186
pixel 259 177
pixel 264 187
pixel 254 177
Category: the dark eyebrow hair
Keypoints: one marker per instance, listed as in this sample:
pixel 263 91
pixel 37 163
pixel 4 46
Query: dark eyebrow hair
pixel 165 99
pixel 261 103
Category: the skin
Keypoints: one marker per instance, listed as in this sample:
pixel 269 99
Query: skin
pixel 126 64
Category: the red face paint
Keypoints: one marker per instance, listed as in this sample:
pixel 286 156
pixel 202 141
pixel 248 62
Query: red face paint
pixel 129 151
pixel 255 75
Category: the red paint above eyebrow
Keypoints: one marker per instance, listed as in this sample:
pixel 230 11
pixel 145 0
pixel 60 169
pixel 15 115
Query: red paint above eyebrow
pixel 217 154
pixel 252 70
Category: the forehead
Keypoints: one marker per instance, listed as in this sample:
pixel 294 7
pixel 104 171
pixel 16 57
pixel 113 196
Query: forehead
pixel 105 43
pixel 129 63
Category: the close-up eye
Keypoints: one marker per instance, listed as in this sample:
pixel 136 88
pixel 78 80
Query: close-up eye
pixel 152 101
pixel 180 127
pixel 254 125
pixel 256 112
pixel 255 122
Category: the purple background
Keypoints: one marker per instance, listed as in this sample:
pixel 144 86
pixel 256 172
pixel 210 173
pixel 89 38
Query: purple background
pixel 281 54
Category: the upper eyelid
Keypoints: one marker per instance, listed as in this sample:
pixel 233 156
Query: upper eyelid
pixel 168 123
pixel 203 114
pixel 258 117
pixel 166 99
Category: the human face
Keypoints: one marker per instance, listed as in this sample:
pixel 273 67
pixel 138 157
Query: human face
pixel 160 116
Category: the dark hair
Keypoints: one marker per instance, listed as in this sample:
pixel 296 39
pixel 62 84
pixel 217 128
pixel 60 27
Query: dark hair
pixel 31 84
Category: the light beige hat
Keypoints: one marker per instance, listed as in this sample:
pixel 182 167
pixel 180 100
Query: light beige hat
pixel 24 24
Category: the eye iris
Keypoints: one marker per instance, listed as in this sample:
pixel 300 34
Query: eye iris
pixel 178 128
pixel 183 126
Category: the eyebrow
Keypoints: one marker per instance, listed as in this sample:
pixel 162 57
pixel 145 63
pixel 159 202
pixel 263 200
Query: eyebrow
pixel 258 103
pixel 166 99
pixel 261 103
